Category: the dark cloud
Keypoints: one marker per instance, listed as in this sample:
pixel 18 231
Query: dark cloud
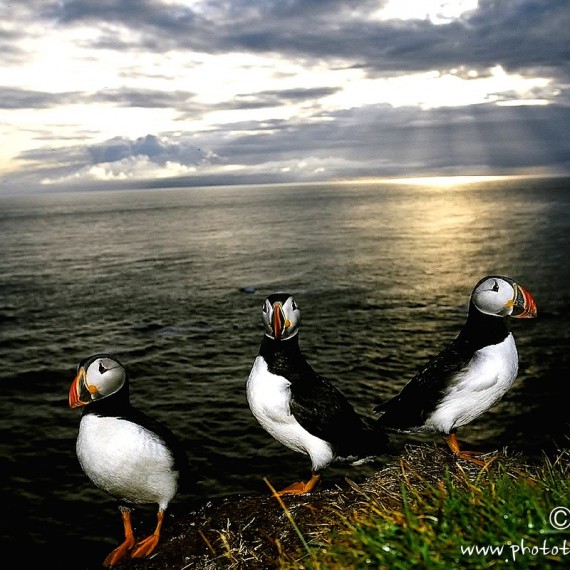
pixel 148 98
pixel 371 141
pixel 138 14
pixel 523 34
pixel 150 146
pixel 275 98
pixel 405 138
pixel 15 98
pixel 528 37
pixel 520 35
pixel 516 35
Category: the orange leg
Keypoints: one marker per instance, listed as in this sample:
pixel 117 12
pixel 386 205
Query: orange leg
pixel 300 487
pixel 122 549
pixel 467 455
pixel 148 544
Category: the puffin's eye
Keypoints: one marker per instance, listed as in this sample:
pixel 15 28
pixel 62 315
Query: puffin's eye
pixel 495 287
pixel 294 305
pixel 265 307
pixel 102 369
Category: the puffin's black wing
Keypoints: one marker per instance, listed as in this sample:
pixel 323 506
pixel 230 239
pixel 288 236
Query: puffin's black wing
pixel 324 411
pixel 420 396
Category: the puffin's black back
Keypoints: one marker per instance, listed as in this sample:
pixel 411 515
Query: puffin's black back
pixel 411 407
pixel 318 405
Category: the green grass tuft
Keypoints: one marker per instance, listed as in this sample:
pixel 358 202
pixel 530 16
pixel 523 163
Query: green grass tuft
pixel 440 525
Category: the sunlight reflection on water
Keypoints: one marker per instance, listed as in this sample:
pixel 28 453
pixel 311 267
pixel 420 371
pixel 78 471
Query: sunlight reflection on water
pixel 382 274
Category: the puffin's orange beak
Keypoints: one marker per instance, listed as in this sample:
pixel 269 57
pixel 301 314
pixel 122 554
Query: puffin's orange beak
pixel 524 303
pixel 277 321
pixel 78 391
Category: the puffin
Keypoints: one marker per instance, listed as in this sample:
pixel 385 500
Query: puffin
pixel 471 374
pixel 300 408
pixel 124 452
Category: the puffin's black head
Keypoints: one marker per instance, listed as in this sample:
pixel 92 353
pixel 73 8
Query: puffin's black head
pixel 281 316
pixel 97 377
pixel 502 297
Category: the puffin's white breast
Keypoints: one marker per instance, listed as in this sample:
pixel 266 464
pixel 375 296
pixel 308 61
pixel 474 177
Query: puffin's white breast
pixel 486 379
pixel 126 460
pixel 268 396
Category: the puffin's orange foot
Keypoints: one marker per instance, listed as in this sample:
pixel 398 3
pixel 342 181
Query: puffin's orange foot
pixel 300 488
pixel 467 455
pixel 471 456
pixel 145 546
pixel 148 544
pixel 114 557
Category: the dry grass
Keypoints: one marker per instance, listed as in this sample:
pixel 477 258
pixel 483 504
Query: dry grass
pixel 261 532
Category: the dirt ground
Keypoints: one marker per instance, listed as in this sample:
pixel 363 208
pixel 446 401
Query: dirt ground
pixel 254 532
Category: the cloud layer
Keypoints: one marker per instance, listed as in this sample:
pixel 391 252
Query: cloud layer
pixel 150 93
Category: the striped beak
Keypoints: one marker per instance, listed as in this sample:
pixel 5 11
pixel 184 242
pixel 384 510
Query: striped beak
pixel 524 305
pixel 278 322
pixel 79 394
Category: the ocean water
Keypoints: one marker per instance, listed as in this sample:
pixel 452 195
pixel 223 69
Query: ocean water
pixel 172 281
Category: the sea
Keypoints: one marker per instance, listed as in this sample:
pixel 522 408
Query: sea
pixel 172 281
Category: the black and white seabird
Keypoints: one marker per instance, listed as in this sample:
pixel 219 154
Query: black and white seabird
pixel 471 374
pixel 300 408
pixel 132 457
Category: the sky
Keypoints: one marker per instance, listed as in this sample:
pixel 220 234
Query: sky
pixel 152 93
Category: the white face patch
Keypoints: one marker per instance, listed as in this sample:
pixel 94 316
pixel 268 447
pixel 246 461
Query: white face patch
pixel 287 313
pixel 269 396
pixel 106 376
pixel 494 296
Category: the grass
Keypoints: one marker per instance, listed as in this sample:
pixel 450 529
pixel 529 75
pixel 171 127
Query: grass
pixel 422 509
pixel 496 517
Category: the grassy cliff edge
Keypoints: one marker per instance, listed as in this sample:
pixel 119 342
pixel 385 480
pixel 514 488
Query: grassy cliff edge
pixel 425 509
